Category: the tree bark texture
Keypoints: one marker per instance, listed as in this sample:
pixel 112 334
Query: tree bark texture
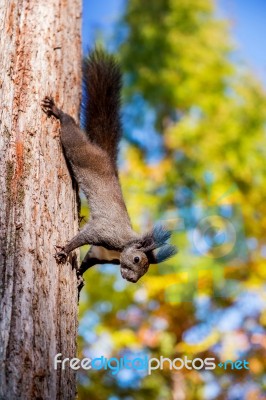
pixel 40 54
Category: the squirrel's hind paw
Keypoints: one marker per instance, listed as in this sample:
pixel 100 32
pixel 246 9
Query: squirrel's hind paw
pixel 48 106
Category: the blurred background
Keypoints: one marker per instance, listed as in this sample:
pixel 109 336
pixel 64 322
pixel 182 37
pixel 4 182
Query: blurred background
pixel 193 157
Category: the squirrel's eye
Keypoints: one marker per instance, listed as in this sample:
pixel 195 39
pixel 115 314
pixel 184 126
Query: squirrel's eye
pixel 136 260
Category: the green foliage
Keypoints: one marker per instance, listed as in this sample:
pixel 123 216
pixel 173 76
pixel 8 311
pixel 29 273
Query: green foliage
pixel 210 114
pixel 175 52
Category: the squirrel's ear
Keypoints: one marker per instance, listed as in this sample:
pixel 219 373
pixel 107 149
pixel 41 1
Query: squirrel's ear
pixel 163 254
pixel 154 239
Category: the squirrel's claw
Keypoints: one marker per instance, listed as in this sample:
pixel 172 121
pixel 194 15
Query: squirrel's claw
pixel 61 255
pixel 48 106
pixel 80 282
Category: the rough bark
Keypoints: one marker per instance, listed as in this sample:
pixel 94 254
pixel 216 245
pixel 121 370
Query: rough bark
pixel 40 54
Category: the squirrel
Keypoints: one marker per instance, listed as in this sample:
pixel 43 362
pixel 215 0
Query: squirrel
pixel 92 154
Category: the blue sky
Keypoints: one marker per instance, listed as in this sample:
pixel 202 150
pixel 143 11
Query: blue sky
pixel 99 15
pixel 248 19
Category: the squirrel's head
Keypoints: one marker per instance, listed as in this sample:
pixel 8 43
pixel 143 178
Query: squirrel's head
pixel 137 256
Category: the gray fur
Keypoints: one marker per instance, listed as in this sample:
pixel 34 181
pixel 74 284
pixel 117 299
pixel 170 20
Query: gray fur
pixel 95 170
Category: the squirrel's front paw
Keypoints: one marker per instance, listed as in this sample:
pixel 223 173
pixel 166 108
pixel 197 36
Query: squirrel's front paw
pixel 61 255
pixel 80 282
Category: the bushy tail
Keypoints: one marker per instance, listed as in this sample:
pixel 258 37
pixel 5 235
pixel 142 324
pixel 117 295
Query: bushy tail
pixel 102 84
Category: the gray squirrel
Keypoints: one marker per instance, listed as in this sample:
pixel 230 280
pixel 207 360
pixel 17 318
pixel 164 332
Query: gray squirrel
pixel 92 154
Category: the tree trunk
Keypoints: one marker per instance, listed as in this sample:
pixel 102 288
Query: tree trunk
pixel 40 53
